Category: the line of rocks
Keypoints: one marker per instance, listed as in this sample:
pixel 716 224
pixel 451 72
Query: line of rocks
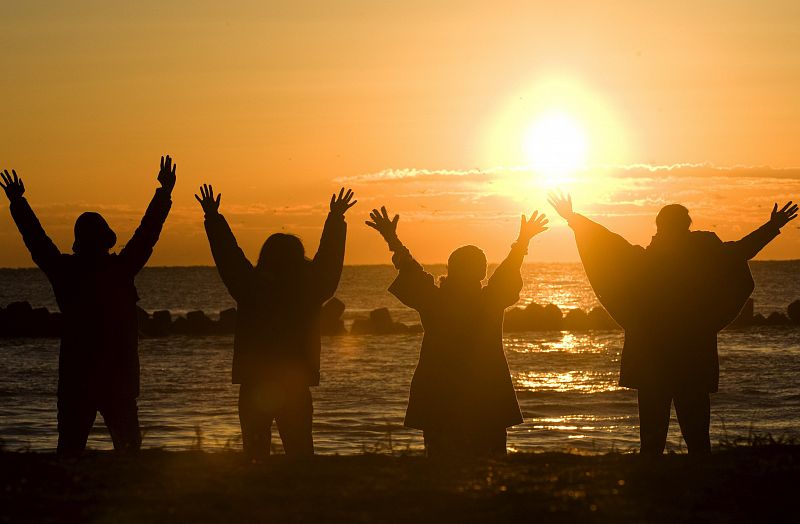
pixel 20 319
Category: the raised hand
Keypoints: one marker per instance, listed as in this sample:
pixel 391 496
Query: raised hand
pixel 340 204
pixel 12 184
pixel 562 204
pixel 529 228
pixel 384 225
pixel 166 175
pixel 209 204
pixel 786 214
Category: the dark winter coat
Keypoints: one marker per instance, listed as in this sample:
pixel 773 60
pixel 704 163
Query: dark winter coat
pixel 462 379
pixel 97 297
pixel 277 335
pixel 672 298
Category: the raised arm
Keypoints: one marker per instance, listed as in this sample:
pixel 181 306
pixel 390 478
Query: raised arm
pixel 612 264
pixel 233 267
pixel 43 251
pixel 413 286
pixel 328 262
pixel 139 248
pixel 749 246
pixel 506 281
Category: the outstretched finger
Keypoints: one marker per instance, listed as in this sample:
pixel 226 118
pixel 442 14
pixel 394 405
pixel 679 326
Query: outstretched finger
pixel 784 208
pixel 198 199
pixel 351 204
pixel 162 164
pixel 384 212
pixel 372 225
pixel 341 192
pixel 396 219
pixel 219 197
pixel 775 208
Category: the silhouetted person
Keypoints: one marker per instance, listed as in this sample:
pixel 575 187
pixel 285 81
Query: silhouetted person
pixel 276 348
pixel 462 397
pixel 98 365
pixel 672 298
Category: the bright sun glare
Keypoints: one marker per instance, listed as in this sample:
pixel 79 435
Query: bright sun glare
pixel 555 145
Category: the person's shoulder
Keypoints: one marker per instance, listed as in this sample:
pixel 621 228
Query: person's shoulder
pixel 705 237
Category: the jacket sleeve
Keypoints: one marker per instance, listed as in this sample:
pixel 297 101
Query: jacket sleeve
pixel 413 286
pixel 506 281
pixel 749 246
pixel 233 267
pixel 44 252
pixel 139 248
pixel 328 262
pixel 613 266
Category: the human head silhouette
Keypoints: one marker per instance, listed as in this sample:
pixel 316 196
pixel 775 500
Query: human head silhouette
pixel 673 219
pixel 281 253
pixel 93 235
pixel 466 265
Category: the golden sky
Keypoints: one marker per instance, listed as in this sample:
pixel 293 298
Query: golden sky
pixel 428 107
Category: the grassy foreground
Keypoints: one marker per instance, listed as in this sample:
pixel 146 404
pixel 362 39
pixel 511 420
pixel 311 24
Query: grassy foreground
pixel 747 484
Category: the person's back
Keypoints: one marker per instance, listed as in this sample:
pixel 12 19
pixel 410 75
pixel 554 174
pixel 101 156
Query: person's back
pixel 95 291
pixel 672 299
pixel 276 355
pixel 461 395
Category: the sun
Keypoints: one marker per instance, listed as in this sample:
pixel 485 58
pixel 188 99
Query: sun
pixel 555 145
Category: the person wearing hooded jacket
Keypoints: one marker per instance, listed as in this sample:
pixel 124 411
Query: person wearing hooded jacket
pixel 671 298
pixel 276 347
pixel 461 396
pixel 94 288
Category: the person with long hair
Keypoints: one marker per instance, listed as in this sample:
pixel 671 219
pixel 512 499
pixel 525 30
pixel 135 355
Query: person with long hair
pixel 462 396
pixel 276 348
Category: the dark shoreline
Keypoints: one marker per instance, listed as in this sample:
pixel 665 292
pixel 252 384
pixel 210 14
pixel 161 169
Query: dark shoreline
pixel 739 484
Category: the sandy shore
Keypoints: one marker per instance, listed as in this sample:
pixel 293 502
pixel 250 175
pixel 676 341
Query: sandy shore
pixel 747 484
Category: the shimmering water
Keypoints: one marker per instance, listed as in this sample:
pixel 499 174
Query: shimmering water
pixel 566 382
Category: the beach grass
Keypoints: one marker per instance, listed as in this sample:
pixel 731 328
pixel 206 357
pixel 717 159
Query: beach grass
pixel 740 483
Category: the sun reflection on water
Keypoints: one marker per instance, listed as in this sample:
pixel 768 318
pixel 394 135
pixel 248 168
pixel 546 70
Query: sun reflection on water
pixel 577 381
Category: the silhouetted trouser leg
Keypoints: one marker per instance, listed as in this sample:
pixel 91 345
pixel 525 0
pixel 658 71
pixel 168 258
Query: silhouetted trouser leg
pixel 654 408
pixel 76 416
pixel 290 407
pixel 255 421
pixel 694 415
pixel 294 421
pixel 121 416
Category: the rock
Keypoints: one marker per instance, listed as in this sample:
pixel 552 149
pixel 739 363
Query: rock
pixel 551 318
pixel 161 323
pixel 19 319
pixel 576 320
pixel 745 317
pixel 330 321
pixel 599 318
pixel 227 321
pixel 379 323
pixel 180 326
pixel 777 319
pixel 794 311
pixel 198 323
pixel 381 320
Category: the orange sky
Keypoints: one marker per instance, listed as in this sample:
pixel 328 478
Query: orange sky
pixel 278 103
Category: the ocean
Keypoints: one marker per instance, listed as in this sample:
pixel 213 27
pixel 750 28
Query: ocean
pixel 565 382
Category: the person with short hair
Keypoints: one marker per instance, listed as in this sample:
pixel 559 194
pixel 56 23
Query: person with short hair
pixel 98 362
pixel 671 298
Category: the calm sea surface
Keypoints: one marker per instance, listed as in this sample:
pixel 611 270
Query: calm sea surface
pixel 566 382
